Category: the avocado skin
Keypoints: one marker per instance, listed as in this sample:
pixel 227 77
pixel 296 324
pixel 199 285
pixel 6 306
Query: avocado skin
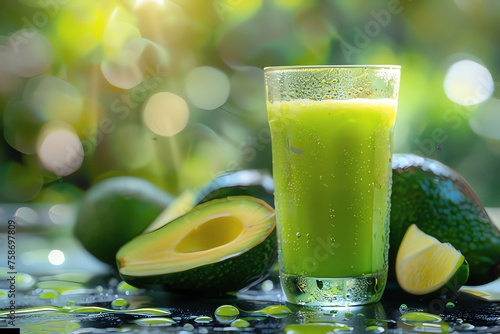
pixel 441 203
pixel 249 182
pixel 114 211
pixel 217 278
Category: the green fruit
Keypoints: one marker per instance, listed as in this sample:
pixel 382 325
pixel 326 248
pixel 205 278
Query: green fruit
pixel 427 267
pixel 253 183
pixel 442 204
pixel 114 211
pixel 220 246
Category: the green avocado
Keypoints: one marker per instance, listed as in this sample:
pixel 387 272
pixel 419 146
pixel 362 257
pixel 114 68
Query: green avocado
pixel 115 210
pixel 247 182
pixel 218 247
pixel 441 203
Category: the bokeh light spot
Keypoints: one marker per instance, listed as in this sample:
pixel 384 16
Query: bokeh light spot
pixel 207 87
pixel 468 83
pixel 485 120
pixel 122 71
pixel 25 216
pixel 138 58
pixel 30 53
pixel 51 98
pixel 166 114
pixel 61 214
pixel 59 149
pixel 56 257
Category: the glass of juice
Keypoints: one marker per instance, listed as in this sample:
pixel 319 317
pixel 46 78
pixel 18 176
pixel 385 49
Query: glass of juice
pixel 332 137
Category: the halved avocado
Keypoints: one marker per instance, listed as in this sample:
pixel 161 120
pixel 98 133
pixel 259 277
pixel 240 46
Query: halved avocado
pixel 247 182
pixel 220 246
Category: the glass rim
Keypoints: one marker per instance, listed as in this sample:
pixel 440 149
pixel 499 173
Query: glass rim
pixel 325 67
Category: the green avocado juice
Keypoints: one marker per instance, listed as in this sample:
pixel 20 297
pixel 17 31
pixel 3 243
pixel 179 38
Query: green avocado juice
pixel 332 174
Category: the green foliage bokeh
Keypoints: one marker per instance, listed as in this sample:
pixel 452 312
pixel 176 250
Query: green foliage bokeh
pixel 73 44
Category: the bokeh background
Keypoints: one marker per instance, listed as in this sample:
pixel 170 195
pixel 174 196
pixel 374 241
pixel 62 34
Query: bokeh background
pixel 173 90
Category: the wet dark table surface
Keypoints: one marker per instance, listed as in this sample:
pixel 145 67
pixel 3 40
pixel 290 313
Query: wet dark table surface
pixel 93 310
pixel 80 295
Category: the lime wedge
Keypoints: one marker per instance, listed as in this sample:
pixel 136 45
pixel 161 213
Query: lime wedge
pixel 426 266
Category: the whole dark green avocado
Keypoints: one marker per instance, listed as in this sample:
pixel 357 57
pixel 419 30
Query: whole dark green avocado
pixel 442 204
pixel 115 210
pixel 248 182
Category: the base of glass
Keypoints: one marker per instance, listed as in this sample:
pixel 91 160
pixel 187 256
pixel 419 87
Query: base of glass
pixel 348 291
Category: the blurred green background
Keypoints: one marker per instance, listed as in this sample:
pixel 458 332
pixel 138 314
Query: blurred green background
pixel 173 91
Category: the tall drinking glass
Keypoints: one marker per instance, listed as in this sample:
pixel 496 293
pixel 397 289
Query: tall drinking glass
pixel 332 138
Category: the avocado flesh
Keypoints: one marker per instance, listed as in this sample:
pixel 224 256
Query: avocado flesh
pixel 442 204
pixel 247 182
pixel 220 246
